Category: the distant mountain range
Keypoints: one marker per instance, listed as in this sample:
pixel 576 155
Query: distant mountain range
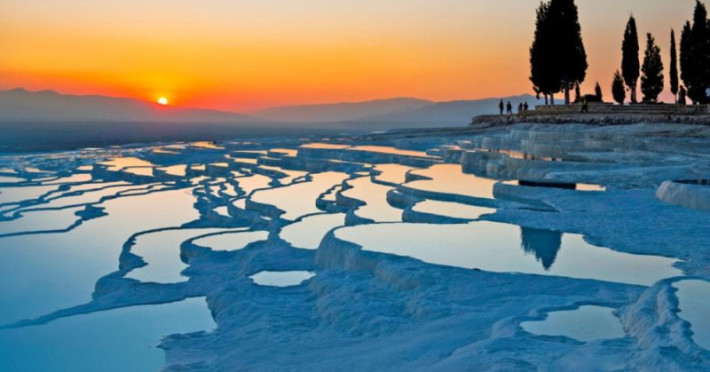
pixel 395 111
pixel 453 112
pixel 22 105
pixel 339 112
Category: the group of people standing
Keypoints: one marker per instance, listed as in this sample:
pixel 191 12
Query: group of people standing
pixel 522 107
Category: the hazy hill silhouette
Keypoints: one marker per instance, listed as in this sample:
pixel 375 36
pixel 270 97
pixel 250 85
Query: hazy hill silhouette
pixel 343 111
pixel 20 105
pixel 23 105
pixel 47 120
pixel 453 112
pixel 396 112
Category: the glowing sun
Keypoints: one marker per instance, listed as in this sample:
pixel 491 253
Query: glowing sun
pixel 162 101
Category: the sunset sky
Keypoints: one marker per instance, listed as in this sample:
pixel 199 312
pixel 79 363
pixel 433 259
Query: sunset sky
pixel 240 55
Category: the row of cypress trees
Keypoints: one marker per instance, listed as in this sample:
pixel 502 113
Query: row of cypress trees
pixel 651 72
pixel 558 58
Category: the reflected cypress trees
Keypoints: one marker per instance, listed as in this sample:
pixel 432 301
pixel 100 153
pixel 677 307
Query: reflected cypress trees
pixel 543 244
pixel 652 79
pixel 630 61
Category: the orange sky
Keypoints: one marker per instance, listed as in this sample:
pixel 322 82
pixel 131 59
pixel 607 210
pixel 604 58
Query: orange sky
pixel 240 55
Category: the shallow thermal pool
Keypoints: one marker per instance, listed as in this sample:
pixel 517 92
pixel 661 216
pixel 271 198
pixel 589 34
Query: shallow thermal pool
pixel 499 247
pixel 230 241
pixel 388 150
pixel 374 196
pixel 308 232
pixel 694 304
pixel 449 209
pixel 392 173
pixel 114 340
pixel 161 251
pixel 281 278
pixel 298 199
pixel 449 179
pixel 586 323
pixel 61 270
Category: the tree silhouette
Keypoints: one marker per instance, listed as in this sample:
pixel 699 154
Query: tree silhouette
pixel 686 53
pixel 542 71
pixel 652 78
pixel 598 93
pixel 570 56
pixel 674 67
pixel 630 61
pixel 695 55
pixel 701 55
pixel 557 56
pixel 617 88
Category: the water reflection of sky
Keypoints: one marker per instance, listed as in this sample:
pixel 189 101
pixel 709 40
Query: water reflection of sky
pixel 308 232
pixel 586 323
pixel 42 273
pixel 110 341
pixel 449 209
pixel 694 304
pixel 231 240
pixel 388 150
pixel 299 199
pixel 392 173
pixel 281 278
pixel 161 251
pixel 450 179
pixel 508 248
pixel 374 195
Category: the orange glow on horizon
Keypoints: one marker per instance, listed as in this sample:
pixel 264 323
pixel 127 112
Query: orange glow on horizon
pixel 248 56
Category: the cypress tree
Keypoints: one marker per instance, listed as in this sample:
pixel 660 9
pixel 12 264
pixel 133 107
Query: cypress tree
pixel 699 55
pixel 570 56
pixel 686 55
pixel 542 70
pixel 598 92
pixel 630 60
pixel 652 78
pixel 617 88
pixel 674 67
pixel 557 56
pixel 577 93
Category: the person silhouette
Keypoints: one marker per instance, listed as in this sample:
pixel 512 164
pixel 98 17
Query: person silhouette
pixel 520 108
pixel 525 106
pixel 585 106
pixel 510 108
pixel 681 96
pixel 501 106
